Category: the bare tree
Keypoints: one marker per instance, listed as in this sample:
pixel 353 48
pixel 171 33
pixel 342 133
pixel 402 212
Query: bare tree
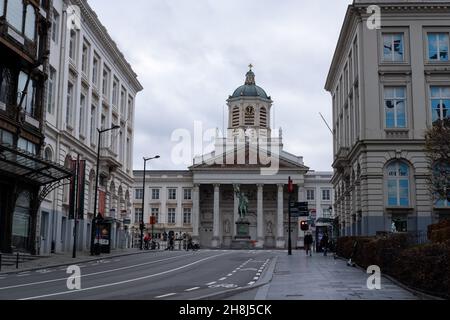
pixel 437 144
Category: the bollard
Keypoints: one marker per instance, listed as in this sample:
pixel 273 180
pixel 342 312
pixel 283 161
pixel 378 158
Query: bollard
pixel 17 261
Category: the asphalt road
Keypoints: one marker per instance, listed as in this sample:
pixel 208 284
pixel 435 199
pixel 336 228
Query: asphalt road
pixel 178 275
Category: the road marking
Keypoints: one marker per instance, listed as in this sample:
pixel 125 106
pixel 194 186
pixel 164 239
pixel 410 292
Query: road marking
pixel 256 278
pixel 116 260
pixel 89 274
pixel 249 269
pixel 229 275
pixel 192 289
pixel 125 281
pixel 166 295
pixel 251 283
pixel 24 274
pixel 258 274
pixel 224 278
pixel 211 283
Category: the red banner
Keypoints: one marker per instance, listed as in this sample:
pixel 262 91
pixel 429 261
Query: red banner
pixel 101 203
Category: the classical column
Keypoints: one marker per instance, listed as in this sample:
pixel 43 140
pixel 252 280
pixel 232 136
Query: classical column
pixel 280 218
pixel 260 217
pixel 216 224
pixel 196 213
pixel 301 198
pixel 236 210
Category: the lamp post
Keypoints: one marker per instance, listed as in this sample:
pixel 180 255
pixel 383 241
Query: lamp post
pixel 95 219
pixel 142 225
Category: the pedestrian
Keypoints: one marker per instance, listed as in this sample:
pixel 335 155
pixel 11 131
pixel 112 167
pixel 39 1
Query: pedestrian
pixel 324 244
pixel 146 241
pixel 308 244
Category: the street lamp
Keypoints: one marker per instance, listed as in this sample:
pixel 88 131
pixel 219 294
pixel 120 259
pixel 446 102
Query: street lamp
pixel 95 219
pixel 142 225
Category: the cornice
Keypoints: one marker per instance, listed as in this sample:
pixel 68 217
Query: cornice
pixel 102 34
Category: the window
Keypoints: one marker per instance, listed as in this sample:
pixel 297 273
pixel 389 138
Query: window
pixel 171 215
pixel 187 194
pixel 263 117
pixel 393 47
pixel 139 194
pixel 121 146
pixel 129 154
pixel 326 195
pixel 48 154
pixel 85 59
pixel 55 26
pixel 28 103
pixel 123 102
pixel 30 23
pixel 73 45
pixel 51 91
pixel 69 106
pixel 438 46
pixel 95 66
pixel 82 126
pixel 105 89
pixel 93 125
pixel 395 107
pixel 137 215
pixel 6 137
pixel 440 103
pixel 6 86
pixel 310 195
pixel 187 216
pixel 172 194
pixel 14 14
pixel 155 194
pixel 115 92
pixel 398 184
pixel 27 145
pixel 249 118
pixel 400 222
pixel 130 108
pixel 155 213
pixel 236 115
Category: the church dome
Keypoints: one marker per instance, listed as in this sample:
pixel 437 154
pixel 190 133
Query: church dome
pixel 250 89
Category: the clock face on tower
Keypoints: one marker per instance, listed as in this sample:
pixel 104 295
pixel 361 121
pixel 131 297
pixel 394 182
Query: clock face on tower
pixel 249 111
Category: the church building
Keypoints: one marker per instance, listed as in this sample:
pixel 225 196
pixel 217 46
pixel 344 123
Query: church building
pixel 202 200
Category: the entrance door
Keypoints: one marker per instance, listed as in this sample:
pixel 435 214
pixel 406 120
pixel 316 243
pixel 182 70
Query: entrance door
pixel 44 232
pixel 206 235
pixel 21 222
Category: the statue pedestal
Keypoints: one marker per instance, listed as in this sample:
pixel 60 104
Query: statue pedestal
pixel 242 240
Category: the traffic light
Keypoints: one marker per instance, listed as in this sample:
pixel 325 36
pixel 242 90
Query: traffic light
pixel 290 186
pixel 304 225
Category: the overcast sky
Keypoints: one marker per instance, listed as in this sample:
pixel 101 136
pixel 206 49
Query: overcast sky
pixel 190 55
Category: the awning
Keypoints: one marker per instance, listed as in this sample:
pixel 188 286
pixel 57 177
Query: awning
pixel 28 167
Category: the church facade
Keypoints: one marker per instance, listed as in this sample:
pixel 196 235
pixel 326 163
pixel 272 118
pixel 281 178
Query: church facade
pixel 202 201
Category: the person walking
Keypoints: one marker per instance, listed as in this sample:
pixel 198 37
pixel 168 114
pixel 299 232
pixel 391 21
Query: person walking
pixel 324 244
pixel 308 244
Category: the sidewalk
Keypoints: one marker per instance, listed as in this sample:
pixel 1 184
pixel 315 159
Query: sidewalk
pixel 58 260
pixel 298 277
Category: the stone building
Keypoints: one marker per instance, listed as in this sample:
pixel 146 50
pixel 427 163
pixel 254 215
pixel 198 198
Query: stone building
pixel 202 200
pixel 388 84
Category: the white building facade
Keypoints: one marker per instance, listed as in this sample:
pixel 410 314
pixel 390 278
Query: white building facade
pixel 202 200
pixel 91 86
pixel 388 85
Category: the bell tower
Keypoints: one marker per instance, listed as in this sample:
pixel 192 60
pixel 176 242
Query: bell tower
pixel 249 110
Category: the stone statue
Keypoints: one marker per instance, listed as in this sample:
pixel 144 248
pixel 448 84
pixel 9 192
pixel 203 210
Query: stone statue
pixel 227 227
pixel 269 227
pixel 243 203
pixel 393 228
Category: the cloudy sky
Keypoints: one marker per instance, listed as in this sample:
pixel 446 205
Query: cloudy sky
pixel 190 55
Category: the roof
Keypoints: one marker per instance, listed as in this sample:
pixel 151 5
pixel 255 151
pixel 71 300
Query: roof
pixel 250 89
pixel 30 168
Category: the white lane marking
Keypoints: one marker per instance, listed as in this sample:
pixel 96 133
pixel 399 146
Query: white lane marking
pixel 192 289
pixel 24 274
pixel 224 278
pixel 229 275
pixel 258 274
pixel 251 283
pixel 89 274
pixel 165 296
pixel 211 283
pixel 249 269
pixel 256 278
pixel 125 281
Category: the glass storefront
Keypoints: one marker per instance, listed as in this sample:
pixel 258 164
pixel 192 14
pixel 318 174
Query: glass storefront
pixel 21 222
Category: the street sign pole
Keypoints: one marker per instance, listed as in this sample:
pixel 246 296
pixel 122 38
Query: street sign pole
pixel 290 230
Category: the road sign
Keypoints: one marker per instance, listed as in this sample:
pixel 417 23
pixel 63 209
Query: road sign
pixel 295 213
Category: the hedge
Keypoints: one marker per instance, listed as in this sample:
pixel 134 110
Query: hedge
pixel 425 268
pixel 438 233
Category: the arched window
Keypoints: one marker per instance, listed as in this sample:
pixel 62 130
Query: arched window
pixel 263 117
pixel 398 185
pixel 30 23
pixel 14 14
pixel 235 117
pixel 48 154
pixel 5 86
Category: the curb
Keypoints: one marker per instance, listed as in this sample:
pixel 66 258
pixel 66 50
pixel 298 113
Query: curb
pixel 4 273
pixel 421 295
pixel 266 279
